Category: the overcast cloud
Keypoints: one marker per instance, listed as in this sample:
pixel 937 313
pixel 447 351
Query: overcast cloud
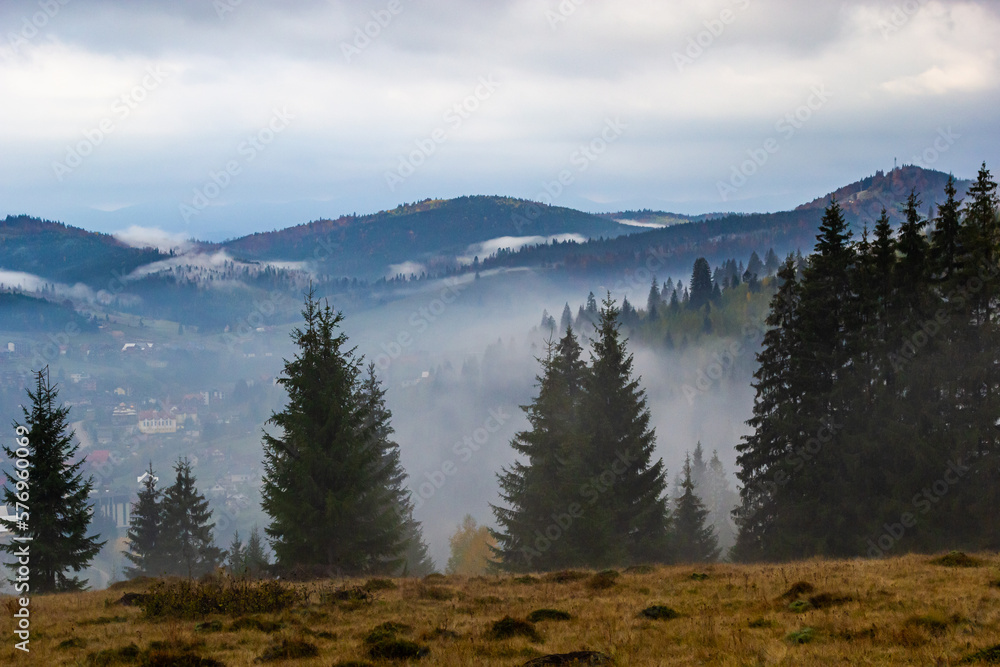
pixel 124 113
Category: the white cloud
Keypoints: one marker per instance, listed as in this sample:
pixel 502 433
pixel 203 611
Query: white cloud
pixel 152 237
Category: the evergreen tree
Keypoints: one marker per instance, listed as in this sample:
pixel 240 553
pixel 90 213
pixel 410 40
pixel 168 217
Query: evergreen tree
pixel 186 541
pixel 538 487
pixel 144 531
pixel 771 262
pixel 701 284
pixel 52 486
pixel 720 501
pixel 945 239
pixel 675 304
pixel 755 268
pixel 257 562
pixel 417 562
pixel 698 465
pixel 762 454
pixel 236 558
pixel 566 320
pixel 331 481
pixel 628 520
pixel 694 539
pixel 653 300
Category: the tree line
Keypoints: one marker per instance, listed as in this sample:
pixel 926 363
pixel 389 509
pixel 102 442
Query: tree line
pixel 874 430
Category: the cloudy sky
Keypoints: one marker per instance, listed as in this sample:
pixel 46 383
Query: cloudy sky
pixel 214 119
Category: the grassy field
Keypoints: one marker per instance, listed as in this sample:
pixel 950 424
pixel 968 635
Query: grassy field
pixel 902 611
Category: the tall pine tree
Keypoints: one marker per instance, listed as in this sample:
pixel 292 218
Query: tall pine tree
pixel 331 482
pixel 186 541
pixel 49 497
pixel 143 537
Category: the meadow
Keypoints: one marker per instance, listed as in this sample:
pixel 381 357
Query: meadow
pixel 909 610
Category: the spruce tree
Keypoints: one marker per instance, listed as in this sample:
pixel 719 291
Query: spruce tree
pixel 945 237
pixel 762 454
pixel 257 562
pixel 566 320
pixel 144 531
pixel 331 476
pixel 694 538
pixel 186 541
pixel 653 300
pixel 539 486
pixel 701 284
pixel 236 558
pixel 626 515
pixel 49 497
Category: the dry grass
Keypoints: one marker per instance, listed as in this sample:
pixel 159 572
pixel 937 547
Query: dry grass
pixel 904 611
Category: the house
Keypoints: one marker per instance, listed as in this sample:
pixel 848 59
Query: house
pixel 156 422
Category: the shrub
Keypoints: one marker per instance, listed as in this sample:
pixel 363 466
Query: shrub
pixel 548 615
pixel 824 600
pixel 699 576
pixel 72 642
pixel 956 559
pixel 659 612
pixel 396 649
pixel 114 656
pixel 602 580
pixel 186 599
pixel 380 585
pixel 761 623
pixel 209 626
pixel 990 656
pixel 801 636
pixel 565 576
pixel 798 589
pixel 508 627
pixel 288 649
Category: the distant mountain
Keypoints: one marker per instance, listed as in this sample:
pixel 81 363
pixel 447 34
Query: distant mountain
pixel 65 254
pixel 863 200
pixel 734 235
pixel 429 234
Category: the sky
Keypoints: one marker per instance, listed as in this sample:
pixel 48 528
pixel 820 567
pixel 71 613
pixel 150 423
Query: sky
pixel 212 119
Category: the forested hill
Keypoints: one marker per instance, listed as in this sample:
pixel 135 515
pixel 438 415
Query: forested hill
pixel 432 232
pixel 66 254
pixel 735 235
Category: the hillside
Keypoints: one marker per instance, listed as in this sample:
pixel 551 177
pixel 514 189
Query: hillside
pixel 431 233
pixel 736 235
pixel 899 611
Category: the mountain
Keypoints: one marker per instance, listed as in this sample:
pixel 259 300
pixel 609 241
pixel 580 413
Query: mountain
pixel 61 253
pixel 430 235
pixel 722 236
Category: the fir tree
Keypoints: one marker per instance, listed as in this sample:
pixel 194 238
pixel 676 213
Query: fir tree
pixel 627 521
pixel 331 480
pixel 236 559
pixel 653 300
pixel 144 531
pixel 945 239
pixel 538 487
pixel 701 284
pixel 566 320
pixel 255 558
pixel 186 541
pixel 52 486
pixel 694 539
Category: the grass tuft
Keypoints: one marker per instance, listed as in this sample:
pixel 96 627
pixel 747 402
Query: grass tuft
pixel 288 649
pixel 186 599
pixel 801 636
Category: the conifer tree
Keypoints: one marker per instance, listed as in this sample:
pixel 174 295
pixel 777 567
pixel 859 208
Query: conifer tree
pixel 762 454
pixel 945 238
pixel 720 501
pixel 332 484
pixel 627 520
pixel 694 538
pixel 566 320
pixel 539 487
pixel 236 559
pixel 701 284
pixel 49 497
pixel 653 300
pixel 257 562
pixel 144 531
pixel 186 541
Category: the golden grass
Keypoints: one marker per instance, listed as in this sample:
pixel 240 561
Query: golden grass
pixel 902 611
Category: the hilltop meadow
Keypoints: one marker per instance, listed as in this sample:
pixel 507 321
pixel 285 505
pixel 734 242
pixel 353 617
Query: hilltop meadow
pixel 908 610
